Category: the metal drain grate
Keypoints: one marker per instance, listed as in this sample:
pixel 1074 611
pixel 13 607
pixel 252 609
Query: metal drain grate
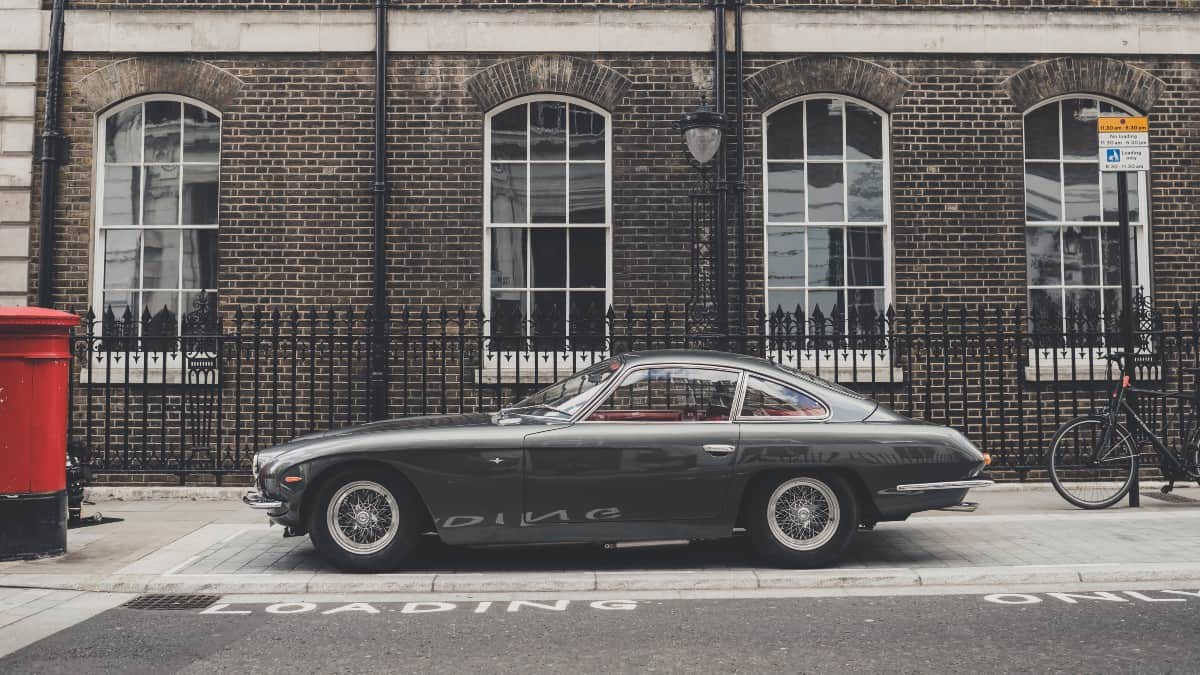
pixel 1169 497
pixel 171 601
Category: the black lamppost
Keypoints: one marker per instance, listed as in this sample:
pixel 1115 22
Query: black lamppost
pixel 703 131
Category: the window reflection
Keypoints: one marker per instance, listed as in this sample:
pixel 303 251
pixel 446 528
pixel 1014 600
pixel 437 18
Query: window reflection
pixel 670 395
pixel 1071 214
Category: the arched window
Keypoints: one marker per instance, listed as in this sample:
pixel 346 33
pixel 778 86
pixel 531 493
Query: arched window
pixel 546 216
pixel 157 177
pixel 1071 247
pixel 827 209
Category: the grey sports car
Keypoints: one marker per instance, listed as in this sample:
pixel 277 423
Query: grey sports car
pixel 662 445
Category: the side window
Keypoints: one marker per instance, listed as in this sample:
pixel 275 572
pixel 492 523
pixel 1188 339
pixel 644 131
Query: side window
pixel 670 395
pixel 768 399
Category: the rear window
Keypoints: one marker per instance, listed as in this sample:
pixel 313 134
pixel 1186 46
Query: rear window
pixel 765 398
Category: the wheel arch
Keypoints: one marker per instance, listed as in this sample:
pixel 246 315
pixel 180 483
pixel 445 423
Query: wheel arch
pixel 328 470
pixel 868 512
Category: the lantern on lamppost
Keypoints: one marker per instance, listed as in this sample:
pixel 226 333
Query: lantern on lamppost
pixel 703 131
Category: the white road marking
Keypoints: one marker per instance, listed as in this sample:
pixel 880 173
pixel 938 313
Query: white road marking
pixel 1090 598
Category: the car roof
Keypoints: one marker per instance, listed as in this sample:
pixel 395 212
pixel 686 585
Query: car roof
pixel 741 361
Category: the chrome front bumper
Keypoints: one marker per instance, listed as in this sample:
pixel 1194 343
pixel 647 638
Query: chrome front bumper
pixel 256 501
pixel 944 485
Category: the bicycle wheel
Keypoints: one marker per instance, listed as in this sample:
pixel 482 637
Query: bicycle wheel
pixel 1086 475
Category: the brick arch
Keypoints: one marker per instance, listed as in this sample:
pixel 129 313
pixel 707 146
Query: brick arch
pixel 845 75
pixel 1083 75
pixel 547 74
pixel 141 75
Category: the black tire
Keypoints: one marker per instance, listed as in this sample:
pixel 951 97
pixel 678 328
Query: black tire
pixel 807 493
pixel 1080 480
pixel 375 546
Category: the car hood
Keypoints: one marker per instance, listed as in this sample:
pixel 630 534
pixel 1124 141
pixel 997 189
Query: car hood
pixel 402 424
pixel 430 432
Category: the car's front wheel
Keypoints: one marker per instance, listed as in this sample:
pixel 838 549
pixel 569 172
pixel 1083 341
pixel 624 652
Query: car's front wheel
pixel 364 520
pixel 803 520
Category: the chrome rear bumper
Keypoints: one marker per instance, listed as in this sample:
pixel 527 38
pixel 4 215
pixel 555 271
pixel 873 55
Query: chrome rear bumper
pixel 944 485
pixel 256 501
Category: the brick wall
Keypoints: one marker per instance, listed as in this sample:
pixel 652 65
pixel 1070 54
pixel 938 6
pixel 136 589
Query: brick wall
pixel 296 172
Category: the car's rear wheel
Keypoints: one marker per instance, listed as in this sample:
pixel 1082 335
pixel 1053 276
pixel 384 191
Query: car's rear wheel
pixel 364 520
pixel 803 520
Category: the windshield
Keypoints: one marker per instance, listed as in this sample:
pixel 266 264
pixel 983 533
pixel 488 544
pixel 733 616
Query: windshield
pixel 565 398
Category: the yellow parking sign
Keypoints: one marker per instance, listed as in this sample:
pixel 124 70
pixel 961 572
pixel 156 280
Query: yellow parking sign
pixel 1110 125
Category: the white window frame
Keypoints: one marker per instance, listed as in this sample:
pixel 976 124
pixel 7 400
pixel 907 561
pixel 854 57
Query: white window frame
pixel 1080 363
pixel 842 365
pixel 506 363
pixel 102 363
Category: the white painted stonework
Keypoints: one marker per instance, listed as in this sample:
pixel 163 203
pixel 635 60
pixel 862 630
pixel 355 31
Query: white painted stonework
pixel 949 31
pixel 18 72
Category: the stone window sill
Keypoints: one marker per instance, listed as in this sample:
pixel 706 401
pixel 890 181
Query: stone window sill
pixel 520 370
pixel 1066 371
pixel 146 376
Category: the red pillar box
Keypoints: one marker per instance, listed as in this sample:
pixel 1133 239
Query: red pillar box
pixel 35 359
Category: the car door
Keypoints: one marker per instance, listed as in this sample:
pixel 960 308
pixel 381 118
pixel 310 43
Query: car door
pixel 781 424
pixel 660 447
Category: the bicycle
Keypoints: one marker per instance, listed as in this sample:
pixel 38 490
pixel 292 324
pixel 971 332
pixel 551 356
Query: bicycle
pixel 1092 457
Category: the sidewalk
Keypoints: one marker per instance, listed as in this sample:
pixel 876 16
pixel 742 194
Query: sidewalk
pixel 1019 535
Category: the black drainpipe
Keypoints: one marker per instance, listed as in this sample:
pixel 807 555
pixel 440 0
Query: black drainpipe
pixel 379 307
pixel 739 180
pixel 722 183
pixel 52 151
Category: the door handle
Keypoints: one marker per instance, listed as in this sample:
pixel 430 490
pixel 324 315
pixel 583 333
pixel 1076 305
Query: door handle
pixel 717 450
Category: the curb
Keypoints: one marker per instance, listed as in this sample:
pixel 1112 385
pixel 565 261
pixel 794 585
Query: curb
pixel 107 493
pixel 658 580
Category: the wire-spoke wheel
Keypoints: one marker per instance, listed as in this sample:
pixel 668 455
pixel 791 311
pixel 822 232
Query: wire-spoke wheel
pixel 364 520
pixel 1091 465
pixel 363 517
pixel 803 521
pixel 803 513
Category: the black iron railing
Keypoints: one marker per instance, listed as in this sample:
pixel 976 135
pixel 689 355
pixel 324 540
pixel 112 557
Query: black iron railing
pixel 159 395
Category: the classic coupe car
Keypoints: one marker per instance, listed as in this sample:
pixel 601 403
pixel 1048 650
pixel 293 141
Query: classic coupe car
pixel 648 446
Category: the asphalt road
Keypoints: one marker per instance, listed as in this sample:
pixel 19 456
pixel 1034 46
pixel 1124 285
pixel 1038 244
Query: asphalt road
pixel 1142 632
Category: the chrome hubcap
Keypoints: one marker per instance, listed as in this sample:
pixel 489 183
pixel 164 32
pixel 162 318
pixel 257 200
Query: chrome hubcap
pixel 363 517
pixel 803 513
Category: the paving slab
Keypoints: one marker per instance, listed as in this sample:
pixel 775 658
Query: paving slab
pixel 837 578
pixel 675 580
pixel 484 582
pixel 371 583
